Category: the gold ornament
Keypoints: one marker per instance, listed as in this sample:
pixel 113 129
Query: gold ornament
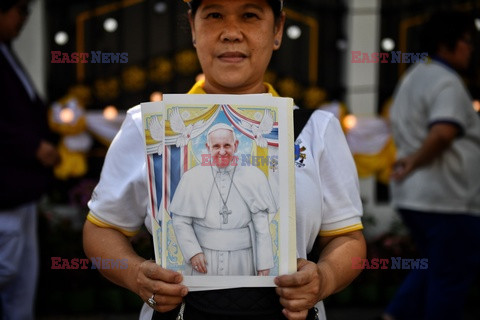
pixel 313 97
pixel 106 89
pixel 161 70
pixel 67 118
pixel 134 78
pixel 82 93
pixel 186 62
pixel 288 87
pixel 270 77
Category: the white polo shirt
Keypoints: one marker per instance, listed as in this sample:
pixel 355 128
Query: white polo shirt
pixel 327 190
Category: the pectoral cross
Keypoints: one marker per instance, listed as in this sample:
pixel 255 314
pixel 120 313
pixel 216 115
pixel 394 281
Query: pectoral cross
pixel 224 213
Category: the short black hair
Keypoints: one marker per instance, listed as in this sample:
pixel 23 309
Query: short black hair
pixel 446 28
pixel 275 4
pixel 6 5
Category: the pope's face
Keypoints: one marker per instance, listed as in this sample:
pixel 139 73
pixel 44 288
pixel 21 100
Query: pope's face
pixel 234 41
pixel 222 147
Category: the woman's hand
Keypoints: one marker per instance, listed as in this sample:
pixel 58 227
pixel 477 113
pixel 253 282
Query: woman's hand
pixel 164 283
pixel 199 263
pixel 313 282
pixel 143 277
pixel 299 291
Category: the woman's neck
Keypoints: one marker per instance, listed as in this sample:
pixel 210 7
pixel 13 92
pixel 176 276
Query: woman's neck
pixel 215 89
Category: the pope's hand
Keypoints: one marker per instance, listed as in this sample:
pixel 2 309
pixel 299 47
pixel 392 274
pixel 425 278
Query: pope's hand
pixel 265 272
pixel 166 284
pixel 199 263
pixel 299 291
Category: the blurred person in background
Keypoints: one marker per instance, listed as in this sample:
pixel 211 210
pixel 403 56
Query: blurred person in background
pixel 26 162
pixel 436 178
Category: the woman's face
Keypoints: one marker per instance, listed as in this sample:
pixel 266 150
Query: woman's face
pixel 234 41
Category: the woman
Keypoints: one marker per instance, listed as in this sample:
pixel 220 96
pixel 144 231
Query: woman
pixel 234 40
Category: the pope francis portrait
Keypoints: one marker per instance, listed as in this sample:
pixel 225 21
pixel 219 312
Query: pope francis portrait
pixel 220 212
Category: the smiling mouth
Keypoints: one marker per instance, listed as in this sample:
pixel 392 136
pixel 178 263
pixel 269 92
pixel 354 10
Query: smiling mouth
pixel 232 57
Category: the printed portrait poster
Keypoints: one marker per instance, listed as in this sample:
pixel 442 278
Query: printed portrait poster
pixel 153 137
pixel 222 188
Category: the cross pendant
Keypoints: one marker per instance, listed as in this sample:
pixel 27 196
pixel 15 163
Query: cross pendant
pixel 224 213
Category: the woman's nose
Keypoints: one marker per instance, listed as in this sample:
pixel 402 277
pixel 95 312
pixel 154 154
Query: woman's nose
pixel 231 30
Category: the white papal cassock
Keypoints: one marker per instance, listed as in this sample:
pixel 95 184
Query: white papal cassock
pixel 243 244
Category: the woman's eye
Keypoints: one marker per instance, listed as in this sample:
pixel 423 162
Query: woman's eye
pixel 214 15
pixel 250 15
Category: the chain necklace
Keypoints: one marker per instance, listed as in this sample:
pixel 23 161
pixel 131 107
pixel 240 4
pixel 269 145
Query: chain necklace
pixel 224 212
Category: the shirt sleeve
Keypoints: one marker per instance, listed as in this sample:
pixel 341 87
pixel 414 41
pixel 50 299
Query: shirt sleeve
pixel 120 199
pixel 342 205
pixel 447 103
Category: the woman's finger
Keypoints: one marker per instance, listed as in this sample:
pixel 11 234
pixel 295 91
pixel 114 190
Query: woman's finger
pixel 153 271
pixel 295 315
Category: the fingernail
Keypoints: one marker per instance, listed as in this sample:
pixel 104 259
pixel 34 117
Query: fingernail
pixel 178 278
pixel 184 292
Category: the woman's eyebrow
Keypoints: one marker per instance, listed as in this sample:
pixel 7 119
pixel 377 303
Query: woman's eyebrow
pixel 246 6
pixel 212 7
pixel 253 6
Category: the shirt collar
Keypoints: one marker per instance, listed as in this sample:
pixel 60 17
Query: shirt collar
pixel 227 169
pixel 442 62
pixel 198 88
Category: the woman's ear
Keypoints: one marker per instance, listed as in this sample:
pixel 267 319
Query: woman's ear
pixel 192 27
pixel 278 31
